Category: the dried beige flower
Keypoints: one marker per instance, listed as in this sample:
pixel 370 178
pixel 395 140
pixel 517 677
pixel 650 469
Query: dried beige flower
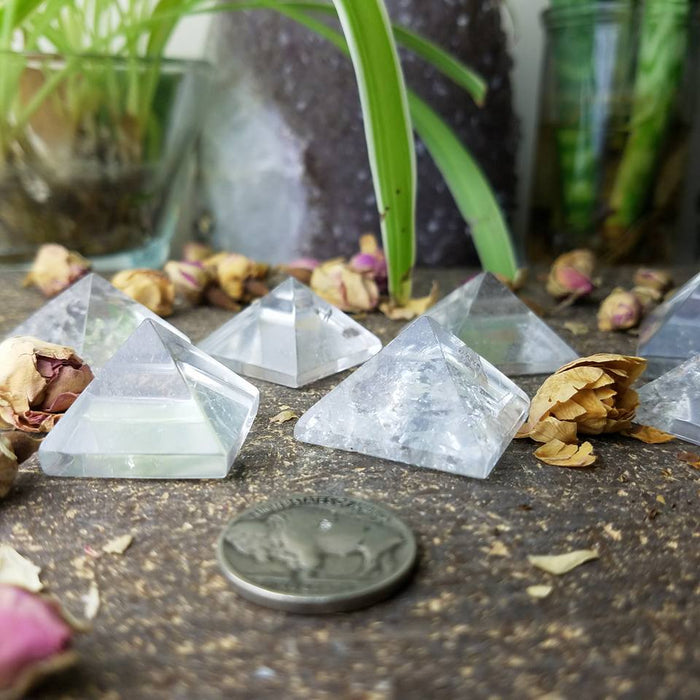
pixel 414 307
pixel 344 286
pixel 620 310
pixel 648 297
pixel 189 278
pixel 38 383
pixel 151 288
pixel 572 274
pixel 55 268
pixel 653 279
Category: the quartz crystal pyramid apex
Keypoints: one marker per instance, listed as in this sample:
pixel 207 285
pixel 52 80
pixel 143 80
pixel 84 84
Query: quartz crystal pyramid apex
pixel 291 337
pixel 92 317
pixel 492 321
pixel 671 333
pixel 159 408
pixel 426 399
pixel 672 402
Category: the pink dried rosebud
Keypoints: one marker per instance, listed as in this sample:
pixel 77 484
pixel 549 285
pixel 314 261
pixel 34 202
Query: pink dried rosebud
pixel 55 268
pixel 151 288
pixel 572 274
pixel 189 278
pixel 648 297
pixel 619 311
pixel 370 260
pixel 35 640
pixel 655 279
pixel 196 252
pixel 38 383
pixel 344 287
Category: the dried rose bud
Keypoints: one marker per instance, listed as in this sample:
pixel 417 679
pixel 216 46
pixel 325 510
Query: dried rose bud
pixel 648 298
pixel 371 261
pixel 301 269
pixel 189 278
pixel 344 287
pixel 35 640
pixel 151 288
pixel 656 279
pixel 231 273
pixel 572 274
pixel 38 383
pixel 15 448
pixel 196 252
pixel 619 311
pixel 55 268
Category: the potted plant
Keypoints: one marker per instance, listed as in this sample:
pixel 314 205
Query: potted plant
pixel 112 82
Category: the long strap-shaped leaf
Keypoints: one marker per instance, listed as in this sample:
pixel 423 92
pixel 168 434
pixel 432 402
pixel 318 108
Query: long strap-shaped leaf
pixel 388 132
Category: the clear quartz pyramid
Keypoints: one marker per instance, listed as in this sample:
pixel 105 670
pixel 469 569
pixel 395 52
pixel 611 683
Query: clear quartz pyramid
pixel 92 317
pixel 427 400
pixel 291 337
pixel 492 321
pixel 671 334
pixel 672 402
pixel 159 408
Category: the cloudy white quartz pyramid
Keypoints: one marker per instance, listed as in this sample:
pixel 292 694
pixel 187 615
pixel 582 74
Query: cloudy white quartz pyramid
pixel 92 317
pixel 291 337
pixel 671 334
pixel 426 400
pixel 159 408
pixel 672 402
pixel 491 320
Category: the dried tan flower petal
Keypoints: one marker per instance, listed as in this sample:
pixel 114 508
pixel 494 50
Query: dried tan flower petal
pixel 559 564
pixel 577 328
pixel 553 429
pixel 539 591
pixel 16 570
pixel 692 459
pixel 151 288
pixel 55 268
pixel 118 545
pixel 649 435
pixel 284 416
pixel 559 454
pixel 414 307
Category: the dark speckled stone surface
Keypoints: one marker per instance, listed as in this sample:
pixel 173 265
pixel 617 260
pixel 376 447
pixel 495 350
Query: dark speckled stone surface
pixel 170 625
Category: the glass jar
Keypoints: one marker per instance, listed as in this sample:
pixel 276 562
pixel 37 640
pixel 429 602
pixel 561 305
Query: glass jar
pixel 614 126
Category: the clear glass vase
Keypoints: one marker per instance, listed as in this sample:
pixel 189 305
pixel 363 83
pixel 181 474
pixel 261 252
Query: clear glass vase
pixel 615 118
pixel 94 154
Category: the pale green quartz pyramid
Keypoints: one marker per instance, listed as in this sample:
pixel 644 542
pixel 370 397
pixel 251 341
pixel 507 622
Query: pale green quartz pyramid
pixel 291 337
pixel 427 400
pixel 92 317
pixel 672 402
pixel 492 321
pixel 159 409
pixel 671 334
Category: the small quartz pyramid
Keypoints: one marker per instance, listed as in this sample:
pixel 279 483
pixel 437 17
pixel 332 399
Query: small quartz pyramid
pixel 92 317
pixel 159 409
pixel 426 399
pixel 672 402
pixel 492 321
pixel 671 334
pixel 291 337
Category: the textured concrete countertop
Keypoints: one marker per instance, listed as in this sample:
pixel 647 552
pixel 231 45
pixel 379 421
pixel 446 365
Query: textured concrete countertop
pixel 170 625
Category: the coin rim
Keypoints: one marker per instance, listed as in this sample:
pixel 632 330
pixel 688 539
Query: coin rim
pixel 320 603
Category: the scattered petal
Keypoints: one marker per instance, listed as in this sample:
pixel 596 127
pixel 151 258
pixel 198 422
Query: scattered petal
pixel 498 549
pixel 15 570
pixel 690 458
pixel 559 564
pixel 540 591
pixel 612 532
pixel 92 602
pixel 559 454
pixel 414 307
pixel 577 328
pixel 648 435
pixel 118 545
pixel 284 416
pixel 661 499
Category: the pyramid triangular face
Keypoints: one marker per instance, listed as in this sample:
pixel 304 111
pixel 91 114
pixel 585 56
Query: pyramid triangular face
pixel 671 334
pixel 159 409
pixel 291 337
pixel 427 400
pixel 492 321
pixel 672 402
pixel 92 317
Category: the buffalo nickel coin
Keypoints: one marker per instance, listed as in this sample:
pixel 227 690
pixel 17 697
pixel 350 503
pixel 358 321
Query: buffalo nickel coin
pixel 313 554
